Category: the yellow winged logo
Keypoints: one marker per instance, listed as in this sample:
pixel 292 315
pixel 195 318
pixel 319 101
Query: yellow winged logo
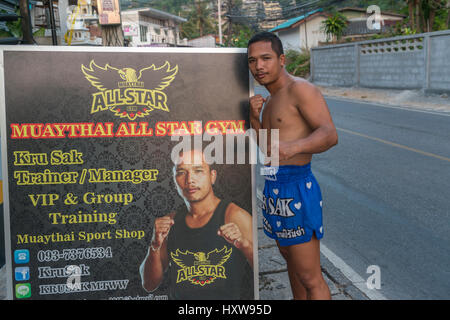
pixel 200 268
pixel 127 92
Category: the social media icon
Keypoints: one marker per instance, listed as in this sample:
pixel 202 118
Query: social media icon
pixel 21 256
pixel 22 273
pixel 23 290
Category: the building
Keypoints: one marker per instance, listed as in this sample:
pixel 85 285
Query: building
pixel 273 13
pixel 302 32
pixel 76 22
pixel 81 23
pixel 207 41
pixel 147 27
pixel 357 27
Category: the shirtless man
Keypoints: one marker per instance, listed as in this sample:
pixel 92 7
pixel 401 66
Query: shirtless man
pixel 208 247
pixel 292 208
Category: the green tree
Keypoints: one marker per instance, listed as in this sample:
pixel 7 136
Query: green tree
pixel 16 29
pixel 298 63
pixel 200 21
pixel 447 21
pixel 431 10
pixel 334 26
pixel 427 15
pixel 241 39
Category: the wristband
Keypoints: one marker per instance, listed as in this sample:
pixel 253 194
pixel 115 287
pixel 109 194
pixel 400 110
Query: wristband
pixel 153 248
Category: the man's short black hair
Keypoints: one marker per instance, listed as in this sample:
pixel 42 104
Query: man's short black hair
pixel 266 36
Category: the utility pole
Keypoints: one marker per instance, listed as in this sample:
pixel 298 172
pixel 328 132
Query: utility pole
pixel 306 31
pixel 219 13
pixel 26 22
pixel 52 22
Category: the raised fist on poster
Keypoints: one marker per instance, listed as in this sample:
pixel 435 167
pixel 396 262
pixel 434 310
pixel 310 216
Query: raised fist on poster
pixel 161 230
pixel 231 233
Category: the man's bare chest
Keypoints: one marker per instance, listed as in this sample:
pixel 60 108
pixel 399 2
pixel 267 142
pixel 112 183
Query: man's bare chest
pixel 278 114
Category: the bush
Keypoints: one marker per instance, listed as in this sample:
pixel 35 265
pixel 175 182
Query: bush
pixel 297 63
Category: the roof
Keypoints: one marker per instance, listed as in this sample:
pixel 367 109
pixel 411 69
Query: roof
pixel 365 11
pixel 9 5
pixel 155 13
pixel 291 22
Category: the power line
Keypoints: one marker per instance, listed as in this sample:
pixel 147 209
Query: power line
pixel 236 14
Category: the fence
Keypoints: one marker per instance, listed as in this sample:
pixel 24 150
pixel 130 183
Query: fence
pixel 420 61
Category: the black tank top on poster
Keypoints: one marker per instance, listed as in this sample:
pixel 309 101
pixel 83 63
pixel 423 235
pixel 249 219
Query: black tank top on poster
pixel 203 265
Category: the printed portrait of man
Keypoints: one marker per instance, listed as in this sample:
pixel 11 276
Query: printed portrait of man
pixel 205 249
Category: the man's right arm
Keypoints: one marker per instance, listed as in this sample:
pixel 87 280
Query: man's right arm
pixel 256 105
pixel 155 263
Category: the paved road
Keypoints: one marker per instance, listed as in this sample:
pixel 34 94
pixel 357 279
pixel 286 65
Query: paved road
pixel 386 190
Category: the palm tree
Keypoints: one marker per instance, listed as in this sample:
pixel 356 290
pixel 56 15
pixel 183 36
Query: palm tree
pixel 334 26
pixel 419 14
pixel 203 17
pixel 199 22
pixel 448 14
pixel 411 6
pixel 422 13
pixel 433 7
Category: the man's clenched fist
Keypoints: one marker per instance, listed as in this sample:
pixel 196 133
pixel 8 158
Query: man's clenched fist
pixel 256 104
pixel 231 233
pixel 161 230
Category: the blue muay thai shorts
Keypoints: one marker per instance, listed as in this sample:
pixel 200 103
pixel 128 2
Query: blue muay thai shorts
pixel 292 204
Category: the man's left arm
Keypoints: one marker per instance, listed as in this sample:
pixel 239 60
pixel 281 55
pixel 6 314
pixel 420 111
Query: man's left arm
pixel 237 230
pixel 312 106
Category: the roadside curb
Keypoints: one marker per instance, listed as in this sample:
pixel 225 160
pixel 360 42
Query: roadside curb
pixel 392 106
pixel 274 280
pixel 3 283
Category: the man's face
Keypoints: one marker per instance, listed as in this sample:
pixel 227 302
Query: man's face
pixel 194 179
pixel 263 62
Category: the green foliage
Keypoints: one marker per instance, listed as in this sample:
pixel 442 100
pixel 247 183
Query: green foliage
pixel 200 21
pixel 440 22
pixel 334 26
pixel 40 32
pixel 241 40
pixel 5 34
pixel 14 28
pixel 407 31
pixel 298 63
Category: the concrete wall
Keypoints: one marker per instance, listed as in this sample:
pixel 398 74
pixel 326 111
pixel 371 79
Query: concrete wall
pixel 392 64
pixel 439 63
pixel 411 62
pixel 334 66
pixel 203 42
